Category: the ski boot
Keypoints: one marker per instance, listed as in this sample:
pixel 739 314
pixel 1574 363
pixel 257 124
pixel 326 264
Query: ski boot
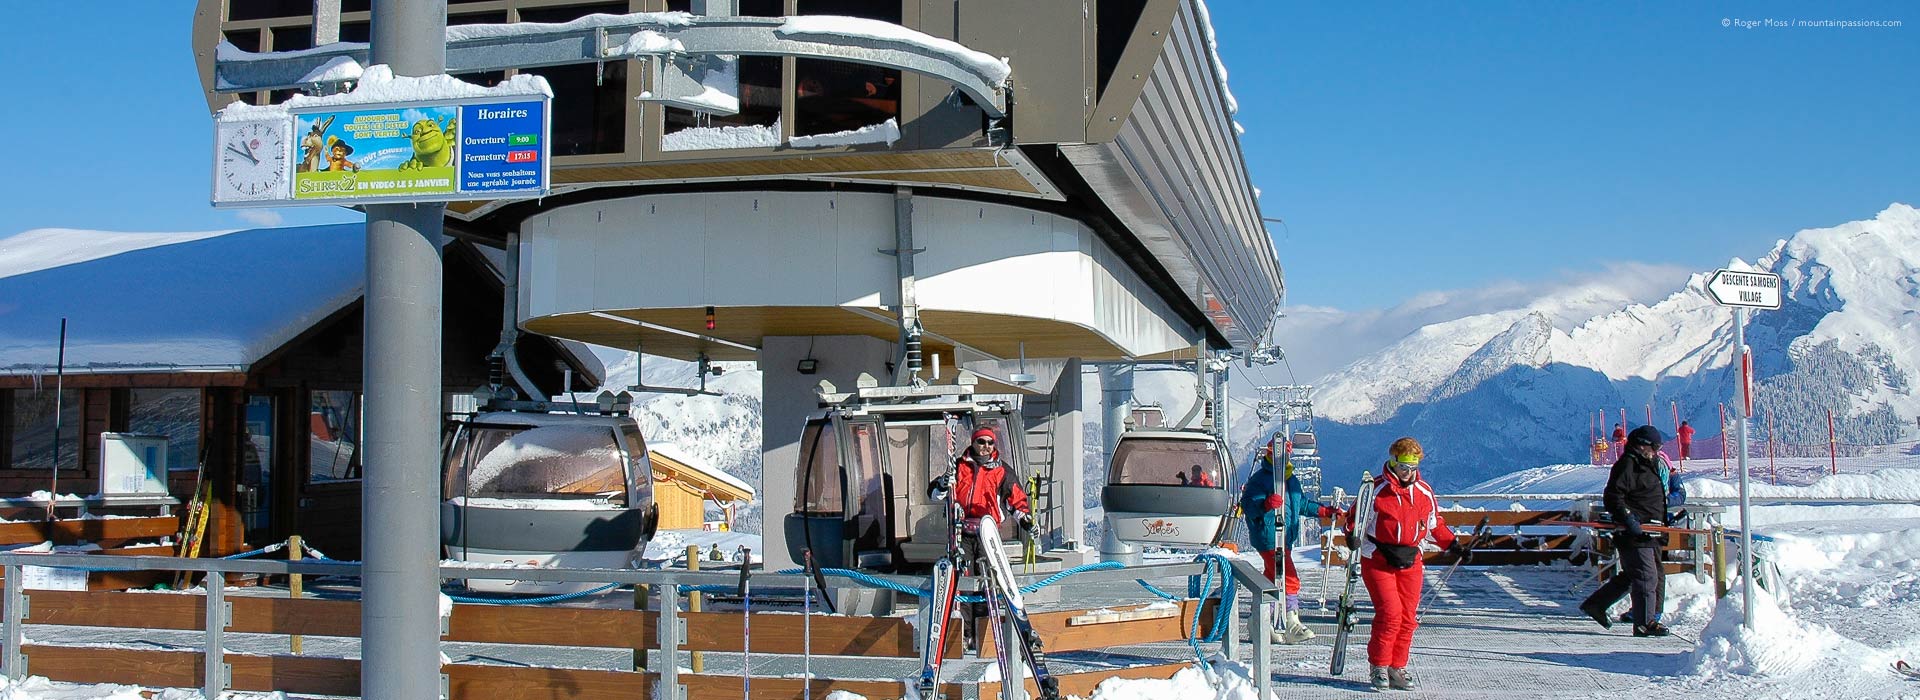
pixel 1599 614
pixel 1378 677
pixel 1296 631
pixel 1400 679
pixel 1651 629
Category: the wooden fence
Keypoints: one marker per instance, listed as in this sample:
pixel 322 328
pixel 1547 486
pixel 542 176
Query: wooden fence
pixel 773 634
pixel 114 535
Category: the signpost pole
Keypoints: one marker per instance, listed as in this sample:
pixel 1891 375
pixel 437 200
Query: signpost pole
pixel 1740 429
pixel 400 647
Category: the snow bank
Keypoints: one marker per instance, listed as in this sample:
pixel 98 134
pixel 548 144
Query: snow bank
pixel 995 70
pixel 1901 484
pixel 1820 568
pixel 1858 563
pixel 1778 645
pixel 38 688
pixel 885 132
pixel 1224 679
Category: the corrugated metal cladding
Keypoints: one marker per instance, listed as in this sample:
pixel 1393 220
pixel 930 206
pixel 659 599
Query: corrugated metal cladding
pixel 1192 203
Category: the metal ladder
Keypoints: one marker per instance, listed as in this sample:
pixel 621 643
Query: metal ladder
pixel 1038 410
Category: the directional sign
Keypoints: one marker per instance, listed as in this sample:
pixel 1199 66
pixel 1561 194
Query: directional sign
pixel 1753 290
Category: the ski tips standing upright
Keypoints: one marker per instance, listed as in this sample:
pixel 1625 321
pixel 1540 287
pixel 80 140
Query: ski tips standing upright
pixel 1405 515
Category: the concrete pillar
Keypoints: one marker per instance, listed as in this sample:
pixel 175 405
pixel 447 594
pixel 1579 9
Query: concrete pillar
pixel 1116 404
pixel 787 398
pixel 1069 459
pixel 400 540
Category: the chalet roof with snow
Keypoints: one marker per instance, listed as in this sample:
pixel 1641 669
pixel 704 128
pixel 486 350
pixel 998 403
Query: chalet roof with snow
pixel 217 301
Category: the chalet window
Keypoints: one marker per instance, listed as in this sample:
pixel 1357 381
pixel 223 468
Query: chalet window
pixel 334 440
pixel 30 432
pixel 174 413
pixel 834 96
pixel 759 99
pixel 592 113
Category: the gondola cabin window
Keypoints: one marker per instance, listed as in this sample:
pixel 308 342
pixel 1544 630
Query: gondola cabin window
pixel 1165 463
pixel 819 493
pixel 570 462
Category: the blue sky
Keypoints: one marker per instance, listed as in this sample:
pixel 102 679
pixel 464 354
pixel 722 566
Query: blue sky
pixel 1411 148
pixel 1446 145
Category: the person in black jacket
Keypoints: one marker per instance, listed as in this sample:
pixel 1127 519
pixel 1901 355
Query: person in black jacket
pixel 1636 495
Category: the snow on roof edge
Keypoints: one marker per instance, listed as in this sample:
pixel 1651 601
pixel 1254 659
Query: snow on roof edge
pixel 378 85
pixel 674 452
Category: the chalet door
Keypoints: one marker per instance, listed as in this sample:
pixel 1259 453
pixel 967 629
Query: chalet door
pixel 259 457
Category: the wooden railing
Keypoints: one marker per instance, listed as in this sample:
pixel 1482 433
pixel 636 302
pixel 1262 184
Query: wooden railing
pixel 116 536
pixel 216 614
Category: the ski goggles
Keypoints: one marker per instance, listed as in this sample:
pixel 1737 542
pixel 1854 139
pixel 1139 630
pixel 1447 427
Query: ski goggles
pixel 1406 462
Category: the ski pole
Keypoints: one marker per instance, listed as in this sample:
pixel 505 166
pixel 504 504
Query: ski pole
pixel 806 629
pixel 746 623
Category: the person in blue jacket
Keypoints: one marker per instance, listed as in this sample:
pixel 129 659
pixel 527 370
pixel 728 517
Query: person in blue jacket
pixel 1260 506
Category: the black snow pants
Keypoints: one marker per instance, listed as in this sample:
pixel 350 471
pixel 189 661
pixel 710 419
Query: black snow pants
pixel 1639 576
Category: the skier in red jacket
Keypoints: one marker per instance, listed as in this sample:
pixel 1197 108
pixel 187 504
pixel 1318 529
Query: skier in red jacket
pixel 1685 433
pixel 983 485
pixel 1405 514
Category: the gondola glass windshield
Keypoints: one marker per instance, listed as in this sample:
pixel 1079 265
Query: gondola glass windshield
pixel 1165 463
pixel 819 493
pixel 512 462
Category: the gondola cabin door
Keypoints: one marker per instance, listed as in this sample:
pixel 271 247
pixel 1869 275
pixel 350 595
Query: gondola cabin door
pixel 866 492
pixel 841 506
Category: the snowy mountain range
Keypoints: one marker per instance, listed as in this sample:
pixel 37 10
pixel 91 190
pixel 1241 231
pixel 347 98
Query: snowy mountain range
pixel 1492 392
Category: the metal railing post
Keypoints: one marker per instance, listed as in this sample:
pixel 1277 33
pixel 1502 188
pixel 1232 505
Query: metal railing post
pixel 16 604
pixel 668 660
pixel 1230 642
pixel 217 618
pixel 1262 646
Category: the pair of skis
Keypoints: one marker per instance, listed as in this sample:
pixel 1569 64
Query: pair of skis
pixel 1006 605
pixel 1004 601
pixel 945 582
pixel 1348 608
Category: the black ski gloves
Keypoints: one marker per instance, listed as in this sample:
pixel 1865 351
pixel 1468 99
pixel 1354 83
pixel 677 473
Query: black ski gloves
pixel 1026 523
pixel 1632 525
pixel 937 489
pixel 1461 550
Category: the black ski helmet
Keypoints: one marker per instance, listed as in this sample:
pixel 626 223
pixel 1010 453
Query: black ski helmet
pixel 1645 435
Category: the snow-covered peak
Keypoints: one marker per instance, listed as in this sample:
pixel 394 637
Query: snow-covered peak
pixel 1856 285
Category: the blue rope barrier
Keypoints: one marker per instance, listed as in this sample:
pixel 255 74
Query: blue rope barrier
pixel 534 601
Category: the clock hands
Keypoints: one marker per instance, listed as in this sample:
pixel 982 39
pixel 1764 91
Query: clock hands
pixel 243 154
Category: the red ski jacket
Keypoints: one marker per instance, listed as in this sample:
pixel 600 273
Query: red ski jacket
pixel 1404 516
pixel 990 488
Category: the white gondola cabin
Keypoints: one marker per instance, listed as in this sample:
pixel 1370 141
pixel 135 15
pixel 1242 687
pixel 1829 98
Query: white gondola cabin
pixel 862 478
pixel 1168 488
pixel 541 489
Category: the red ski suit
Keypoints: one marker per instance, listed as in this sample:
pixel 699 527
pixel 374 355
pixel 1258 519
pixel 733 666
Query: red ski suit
pixel 987 489
pixel 1403 515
